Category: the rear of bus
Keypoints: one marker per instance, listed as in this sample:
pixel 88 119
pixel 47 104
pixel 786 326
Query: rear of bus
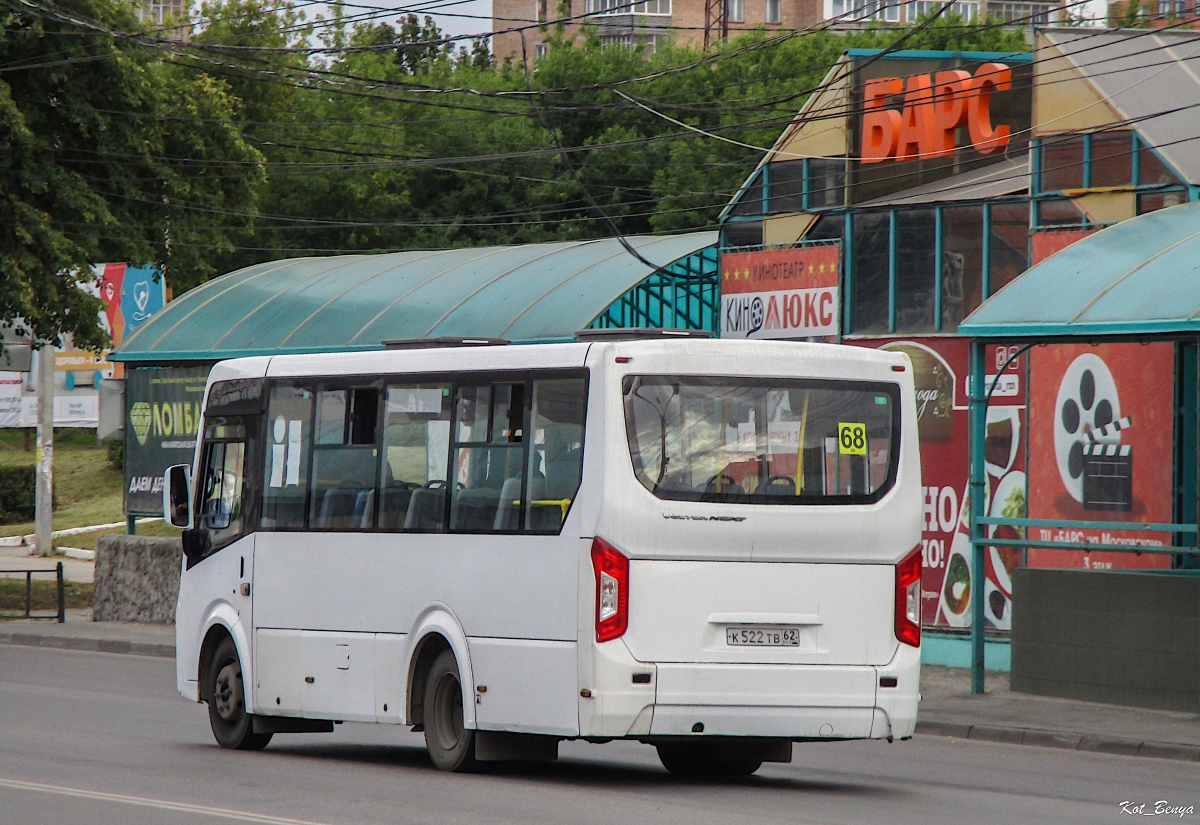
pixel 755 575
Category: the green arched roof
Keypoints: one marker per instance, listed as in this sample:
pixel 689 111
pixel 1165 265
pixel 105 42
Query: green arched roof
pixel 1138 277
pixel 532 292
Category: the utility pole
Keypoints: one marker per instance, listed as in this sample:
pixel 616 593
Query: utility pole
pixel 45 450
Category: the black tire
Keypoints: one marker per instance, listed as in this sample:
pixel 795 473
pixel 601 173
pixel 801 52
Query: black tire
pixel 450 744
pixel 703 760
pixel 231 725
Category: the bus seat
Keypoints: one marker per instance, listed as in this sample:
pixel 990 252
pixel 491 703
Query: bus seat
pixel 364 509
pixel 508 506
pixel 425 508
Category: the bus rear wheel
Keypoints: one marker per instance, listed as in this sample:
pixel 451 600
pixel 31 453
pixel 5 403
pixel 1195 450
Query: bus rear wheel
pixel 450 744
pixel 705 760
pixel 231 725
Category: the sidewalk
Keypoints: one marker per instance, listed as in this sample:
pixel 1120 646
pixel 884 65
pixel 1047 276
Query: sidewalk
pixel 949 709
pixel 20 558
pixel 947 706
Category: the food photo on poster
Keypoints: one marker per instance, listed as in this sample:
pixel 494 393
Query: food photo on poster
pixel 939 372
pixel 1102 449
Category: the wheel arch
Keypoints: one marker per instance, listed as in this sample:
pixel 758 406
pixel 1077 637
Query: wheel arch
pixel 437 629
pixel 218 626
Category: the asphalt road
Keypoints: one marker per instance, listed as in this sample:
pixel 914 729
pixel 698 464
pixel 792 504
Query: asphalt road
pixel 104 738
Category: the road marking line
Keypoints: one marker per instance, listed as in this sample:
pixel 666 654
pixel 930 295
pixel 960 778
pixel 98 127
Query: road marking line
pixel 147 802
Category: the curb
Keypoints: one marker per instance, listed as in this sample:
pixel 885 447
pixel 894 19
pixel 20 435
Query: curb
pixel 155 649
pixel 1059 739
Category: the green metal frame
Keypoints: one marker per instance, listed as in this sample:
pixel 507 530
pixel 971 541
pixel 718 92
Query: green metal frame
pixel 686 295
pixel 1039 194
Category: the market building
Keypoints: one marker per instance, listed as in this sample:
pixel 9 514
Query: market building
pixel 916 185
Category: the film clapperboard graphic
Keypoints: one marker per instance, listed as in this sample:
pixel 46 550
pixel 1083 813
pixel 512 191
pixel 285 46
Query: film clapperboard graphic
pixel 1108 469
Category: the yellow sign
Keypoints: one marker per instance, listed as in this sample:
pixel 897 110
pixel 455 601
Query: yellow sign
pixel 852 438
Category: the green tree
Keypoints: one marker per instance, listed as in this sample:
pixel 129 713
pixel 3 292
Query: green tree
pixel 108 154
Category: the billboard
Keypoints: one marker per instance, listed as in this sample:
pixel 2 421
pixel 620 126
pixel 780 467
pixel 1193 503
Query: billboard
pixel 922 120
pixel 162 417
pixel 131 295
pixel 940 373
pixel 781 293
pixel 1102 446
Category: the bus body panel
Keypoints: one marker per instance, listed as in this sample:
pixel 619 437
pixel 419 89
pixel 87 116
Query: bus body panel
pixel 210 594
pixel 680 611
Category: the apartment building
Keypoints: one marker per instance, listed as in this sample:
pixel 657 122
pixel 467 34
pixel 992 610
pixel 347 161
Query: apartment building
pixel 164 16
pixel 1157 14
pixel 651 24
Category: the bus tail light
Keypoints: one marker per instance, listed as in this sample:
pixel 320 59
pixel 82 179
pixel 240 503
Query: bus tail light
pixel 908 599
pixel 612 590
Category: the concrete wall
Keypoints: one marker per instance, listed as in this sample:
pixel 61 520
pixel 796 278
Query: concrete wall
pixel 1124 638
pixel 137 579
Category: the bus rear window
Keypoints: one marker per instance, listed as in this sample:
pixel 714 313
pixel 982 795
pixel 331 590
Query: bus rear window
pixel 762 441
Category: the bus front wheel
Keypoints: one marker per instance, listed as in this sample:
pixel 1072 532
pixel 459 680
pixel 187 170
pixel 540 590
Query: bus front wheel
pixel 231 724
pixel 705 760
pixel 451 745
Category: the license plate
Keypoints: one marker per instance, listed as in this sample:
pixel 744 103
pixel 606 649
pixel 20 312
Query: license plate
pixel 747 636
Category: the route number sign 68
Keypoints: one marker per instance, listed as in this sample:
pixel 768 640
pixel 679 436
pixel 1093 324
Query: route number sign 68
pixel 852 438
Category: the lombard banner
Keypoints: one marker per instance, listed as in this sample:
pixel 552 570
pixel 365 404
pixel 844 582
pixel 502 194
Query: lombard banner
pixel 162 417
pixel 1102 440
pixel 940 373
pixel 781 293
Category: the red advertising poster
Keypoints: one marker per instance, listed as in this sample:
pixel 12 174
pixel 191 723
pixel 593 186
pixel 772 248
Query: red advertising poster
pixel 781 293
pixel 940 370
pixel 1101 442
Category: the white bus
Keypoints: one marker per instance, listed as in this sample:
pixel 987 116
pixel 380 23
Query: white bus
pixel 708 546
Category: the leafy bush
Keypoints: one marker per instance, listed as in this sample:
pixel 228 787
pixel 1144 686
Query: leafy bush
pixel 116 453
pixel 18 486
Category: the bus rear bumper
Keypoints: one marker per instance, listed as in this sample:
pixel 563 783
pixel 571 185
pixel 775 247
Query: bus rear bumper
pixel 790 701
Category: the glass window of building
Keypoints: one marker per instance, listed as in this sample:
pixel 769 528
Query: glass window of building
pixel 786 186
pixel 869 287
pixel 1152 171
pixel 1008 247
pixel 827 182
pixel 916 274
pixel 771 13
pixel 1112 159
pixel 742 233
pixel 1059 212
pixel 751 201
pixel 1153 201
pixel 962 263
pixel 827 228
pixel 1062 163
pixel 736 10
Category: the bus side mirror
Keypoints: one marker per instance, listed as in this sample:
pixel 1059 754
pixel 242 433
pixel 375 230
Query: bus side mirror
pixel 177 493
pixel 196 545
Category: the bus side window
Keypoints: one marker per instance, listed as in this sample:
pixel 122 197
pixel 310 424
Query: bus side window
pixel 487 461
pixel 289 440
pixel 556 454
pixel 416 445
pixel 344 460
pixel 223 479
